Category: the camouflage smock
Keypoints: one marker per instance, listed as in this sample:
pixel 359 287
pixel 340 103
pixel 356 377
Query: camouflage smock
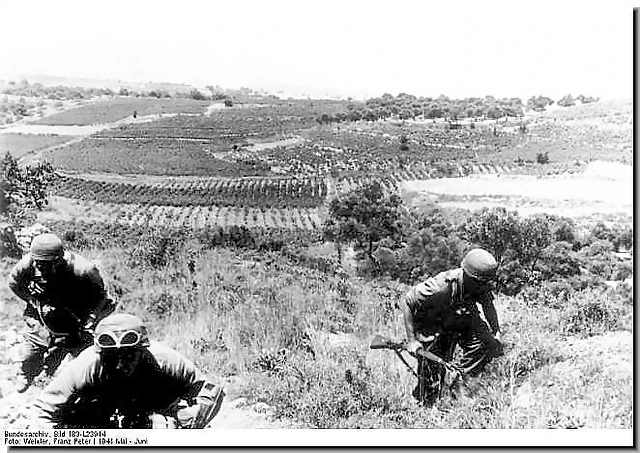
pixel 438 305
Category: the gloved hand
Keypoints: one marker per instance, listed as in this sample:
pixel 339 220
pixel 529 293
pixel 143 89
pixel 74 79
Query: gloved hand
pixel 197 416
pixel 59 341
pixel 453 375
pixel 36 290
pixel 414 346
pixel 90 324
pixel 46 310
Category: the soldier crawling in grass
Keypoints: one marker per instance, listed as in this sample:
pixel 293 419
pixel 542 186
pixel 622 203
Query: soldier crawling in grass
pixel 446 306
pixel 65 297
pixel 126 380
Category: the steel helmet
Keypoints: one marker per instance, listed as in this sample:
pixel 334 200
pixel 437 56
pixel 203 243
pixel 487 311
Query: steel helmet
pixel 46 247
pixel 119 331
pixel 480 265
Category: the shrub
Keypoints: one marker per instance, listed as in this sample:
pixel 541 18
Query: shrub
pixel 558 260
pixel 551 294
pixel 23 190
pixel 75 238
pixel 594 312
pixel 542 158
pixel 8 244
pixel 154 249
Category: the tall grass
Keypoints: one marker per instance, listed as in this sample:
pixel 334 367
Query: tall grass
pixel 297 339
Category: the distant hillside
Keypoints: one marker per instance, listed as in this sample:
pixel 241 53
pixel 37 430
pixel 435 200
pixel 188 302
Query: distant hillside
pixel 112 84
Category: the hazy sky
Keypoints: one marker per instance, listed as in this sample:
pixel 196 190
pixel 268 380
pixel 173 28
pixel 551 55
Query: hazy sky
pixel 356 47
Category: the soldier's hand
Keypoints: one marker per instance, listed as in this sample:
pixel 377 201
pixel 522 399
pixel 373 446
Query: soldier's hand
pixel 159 421
pixel 414 346
pixel 90 323
pixel 36 290
pixel 46 310
pixel 187 417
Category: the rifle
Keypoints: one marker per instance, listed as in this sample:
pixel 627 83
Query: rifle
pixel 382 342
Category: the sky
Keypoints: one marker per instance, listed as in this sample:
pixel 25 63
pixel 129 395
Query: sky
pixel 358 48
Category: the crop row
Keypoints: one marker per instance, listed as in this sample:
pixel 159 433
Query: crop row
pixel 243 192
pixel 183 217
pixel 80 232
pixel 228 124
pixel 390 181
pixel 378 148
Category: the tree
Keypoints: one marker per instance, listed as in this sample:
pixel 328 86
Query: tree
pixel 496 229
pixel 534 236
pixel 567 101
pixel 539 103
pixel 22 191
pixel 197 95
pixel 363 217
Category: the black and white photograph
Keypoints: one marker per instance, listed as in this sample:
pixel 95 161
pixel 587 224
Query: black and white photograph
pixel 317 223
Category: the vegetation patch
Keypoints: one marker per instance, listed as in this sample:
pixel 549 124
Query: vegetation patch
pixel 116 109
pixel 20 144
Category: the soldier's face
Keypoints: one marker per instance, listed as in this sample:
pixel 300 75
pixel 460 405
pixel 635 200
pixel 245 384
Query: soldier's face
pixel 47 268
pixel 121 362
pixel 476 288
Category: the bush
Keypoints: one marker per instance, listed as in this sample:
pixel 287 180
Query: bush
pixel 542 158
pixel 594 312
pixel 154 249
pixel 75 238
pixel 8 244
pixel 558 260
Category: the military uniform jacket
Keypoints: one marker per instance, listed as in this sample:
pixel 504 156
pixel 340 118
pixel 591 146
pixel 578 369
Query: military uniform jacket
pixel 438 305
pixel 162 377
pixel 77 287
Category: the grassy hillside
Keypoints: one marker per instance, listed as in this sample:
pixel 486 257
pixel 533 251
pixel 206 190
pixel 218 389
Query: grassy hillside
pixel 297 339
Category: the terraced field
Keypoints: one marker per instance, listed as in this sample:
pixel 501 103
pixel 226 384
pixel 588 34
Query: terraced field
pixel 223 192
pixel 272 165
pixel 179 217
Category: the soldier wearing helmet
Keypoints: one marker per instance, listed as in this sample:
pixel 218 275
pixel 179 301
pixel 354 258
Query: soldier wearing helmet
pixel 446 306
pixel 65 297
pixel 126 380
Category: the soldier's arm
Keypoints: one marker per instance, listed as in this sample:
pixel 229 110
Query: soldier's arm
pixel 18 281
pixel 60 391
pixel 101 303
pixel 205 397
pixel 490 313
pixel 406 305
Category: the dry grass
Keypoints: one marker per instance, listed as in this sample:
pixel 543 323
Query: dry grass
pixel 298 340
